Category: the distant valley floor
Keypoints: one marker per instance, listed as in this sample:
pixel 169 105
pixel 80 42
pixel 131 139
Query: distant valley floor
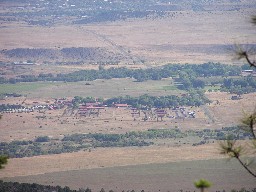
pixel 173 176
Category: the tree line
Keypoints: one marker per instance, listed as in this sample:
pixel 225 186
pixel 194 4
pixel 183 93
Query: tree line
pixel 44 145
pixel 27 187
pixel 193 98
pixel 240 85
pixel 171 70
pixel 186 77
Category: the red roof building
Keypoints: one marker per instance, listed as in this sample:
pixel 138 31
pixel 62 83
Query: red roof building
pixel 121 105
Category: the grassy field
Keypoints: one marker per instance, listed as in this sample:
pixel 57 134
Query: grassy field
pixel 23 88
pixel 174 176
pixel 98 88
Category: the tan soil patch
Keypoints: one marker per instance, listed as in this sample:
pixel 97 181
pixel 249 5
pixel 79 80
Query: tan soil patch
pixel 230 112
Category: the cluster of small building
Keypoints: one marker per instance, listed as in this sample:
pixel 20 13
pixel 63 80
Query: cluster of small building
pixel 63 102
pixel 182 113
pixel 158 114
pixel 58 104
pixel 23 109
pixel 89 109
pixel 249 72
pixel 93 110
pixel 18 110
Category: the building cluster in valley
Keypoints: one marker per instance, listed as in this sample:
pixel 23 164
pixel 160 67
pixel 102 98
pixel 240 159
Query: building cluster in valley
pixel 95 109
pixel 249 72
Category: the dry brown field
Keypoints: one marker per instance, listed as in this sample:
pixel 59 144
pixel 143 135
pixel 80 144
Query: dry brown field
pixel 150 169
pixel 27 126
pixel 107 157
pixel 157 41
pixel 229 112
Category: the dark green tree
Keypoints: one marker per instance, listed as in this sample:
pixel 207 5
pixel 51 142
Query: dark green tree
pixel 3 158
pixel 3 161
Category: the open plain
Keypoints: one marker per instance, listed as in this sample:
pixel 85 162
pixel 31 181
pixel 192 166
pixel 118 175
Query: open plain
pixel 171 176
pixel 155 41
pixel 177 37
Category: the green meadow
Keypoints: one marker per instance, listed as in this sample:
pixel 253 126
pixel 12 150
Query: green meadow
pixel 97 88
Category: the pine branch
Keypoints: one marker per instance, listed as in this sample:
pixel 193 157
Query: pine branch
pixel 245 166
pixel 251 63
pixel 243 54
pixel 230 148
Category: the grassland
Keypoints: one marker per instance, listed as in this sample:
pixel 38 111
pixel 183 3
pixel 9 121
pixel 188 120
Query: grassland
pixel 156 41
pixel 172 176
pixel 24 88
pixel 97 88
